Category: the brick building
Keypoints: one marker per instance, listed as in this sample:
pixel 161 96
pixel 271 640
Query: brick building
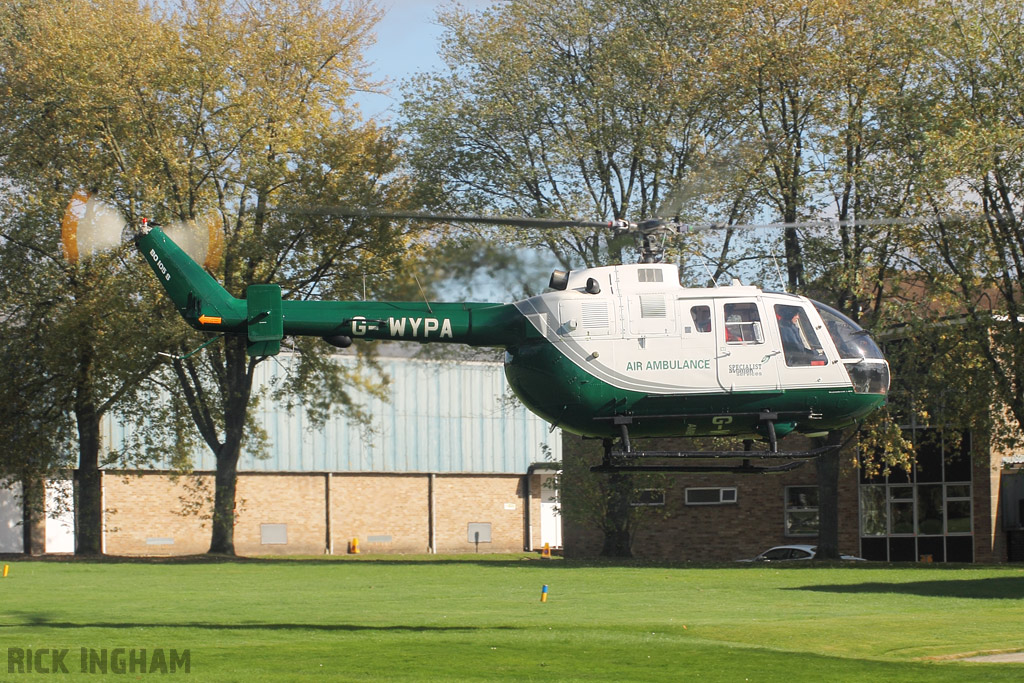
pixel 962 502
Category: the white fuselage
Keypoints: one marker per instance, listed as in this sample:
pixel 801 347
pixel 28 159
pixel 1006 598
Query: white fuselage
pixel 644 332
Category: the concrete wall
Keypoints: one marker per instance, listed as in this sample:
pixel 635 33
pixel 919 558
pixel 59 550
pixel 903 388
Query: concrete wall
pixel 280 513
pixel 989 535
pixel 678 532
pixel 462 500
pixel 726 532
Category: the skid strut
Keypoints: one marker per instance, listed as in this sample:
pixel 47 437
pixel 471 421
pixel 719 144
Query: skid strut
pixel 625 459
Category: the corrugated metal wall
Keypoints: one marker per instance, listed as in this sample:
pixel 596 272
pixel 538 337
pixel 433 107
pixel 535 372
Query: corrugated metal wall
pixel 441 416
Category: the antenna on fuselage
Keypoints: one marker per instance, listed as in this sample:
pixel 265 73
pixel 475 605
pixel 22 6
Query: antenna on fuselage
pixel 423 294
pixel 711 276
pixel 778 272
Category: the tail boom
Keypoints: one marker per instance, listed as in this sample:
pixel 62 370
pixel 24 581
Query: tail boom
pixel 207 306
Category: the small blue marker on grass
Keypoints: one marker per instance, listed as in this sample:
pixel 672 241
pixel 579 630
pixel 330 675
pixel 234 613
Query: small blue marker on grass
pixel 544 593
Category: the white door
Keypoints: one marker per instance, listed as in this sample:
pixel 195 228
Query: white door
pixel 550 519
pixel 60 516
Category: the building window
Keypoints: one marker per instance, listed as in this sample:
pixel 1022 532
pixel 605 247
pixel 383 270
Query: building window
pixel 926 513
pixel 929 510
pixel 801 510
pixel 872 511
pixel 711 496
pixel 648 497
pixel 901 510
pixel 958 509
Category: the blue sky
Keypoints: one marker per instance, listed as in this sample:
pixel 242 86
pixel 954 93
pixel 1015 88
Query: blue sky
pixel 408 38
pixel 407 42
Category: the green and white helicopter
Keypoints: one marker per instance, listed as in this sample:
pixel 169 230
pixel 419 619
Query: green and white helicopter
pixel 613 352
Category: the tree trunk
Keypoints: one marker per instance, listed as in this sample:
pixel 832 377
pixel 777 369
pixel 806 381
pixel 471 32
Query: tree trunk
pixel 89 503
pixel 794 260
pixel 33 506
pixel 828 500
pixel 237 389
pixel 618 535
pixel 222 538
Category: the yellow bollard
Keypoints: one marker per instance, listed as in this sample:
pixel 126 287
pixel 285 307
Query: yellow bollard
pixel 353 547
pixel 6 568
pixel 544 593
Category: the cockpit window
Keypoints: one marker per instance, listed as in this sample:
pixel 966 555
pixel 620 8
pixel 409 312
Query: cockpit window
pixel 851 339
pixel 799 342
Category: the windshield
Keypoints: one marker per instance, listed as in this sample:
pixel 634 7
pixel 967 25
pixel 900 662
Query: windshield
pixel 851 339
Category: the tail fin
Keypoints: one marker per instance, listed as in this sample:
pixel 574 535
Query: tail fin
pixel 199 298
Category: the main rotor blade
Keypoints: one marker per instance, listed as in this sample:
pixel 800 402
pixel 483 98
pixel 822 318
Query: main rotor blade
pixel 645 226
pixel 514 221
pixel 822 223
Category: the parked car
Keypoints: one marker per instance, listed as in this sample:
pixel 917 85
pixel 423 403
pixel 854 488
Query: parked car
pixel 788 553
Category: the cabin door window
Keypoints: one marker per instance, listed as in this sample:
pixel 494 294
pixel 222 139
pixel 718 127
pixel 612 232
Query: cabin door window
pixel 745 361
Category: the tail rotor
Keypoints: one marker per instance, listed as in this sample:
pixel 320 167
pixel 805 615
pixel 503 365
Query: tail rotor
pixel 91 226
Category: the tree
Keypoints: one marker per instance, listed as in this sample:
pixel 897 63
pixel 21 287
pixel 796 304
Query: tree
pixel 34 421
pixel 259 122
pixel 229 110
pixel 590 109
pixel 852 267
pixel 60 88
pixel 965 164
pixel 746 110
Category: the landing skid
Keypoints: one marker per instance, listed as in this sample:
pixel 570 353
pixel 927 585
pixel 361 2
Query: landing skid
pixel 745 468
pixel 625 459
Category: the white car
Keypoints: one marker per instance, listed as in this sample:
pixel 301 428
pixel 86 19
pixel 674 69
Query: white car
pixel 788 553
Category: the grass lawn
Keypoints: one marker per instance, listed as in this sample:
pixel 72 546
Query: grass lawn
pixel 480 617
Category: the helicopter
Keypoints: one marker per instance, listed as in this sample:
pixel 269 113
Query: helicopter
pixel 614 352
